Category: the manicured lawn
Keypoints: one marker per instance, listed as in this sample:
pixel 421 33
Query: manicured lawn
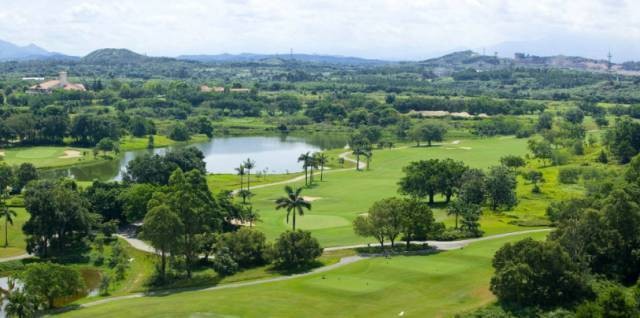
pixel 219 182
pixel 159 141
pixel 438 285
pixel 17 243
pixel 47 157
pixel 345 194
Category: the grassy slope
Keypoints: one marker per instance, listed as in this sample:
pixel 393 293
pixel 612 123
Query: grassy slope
pixel 346 194
pixel 46 157
pixel 437 285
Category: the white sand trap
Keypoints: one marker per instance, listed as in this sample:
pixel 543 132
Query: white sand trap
pixel 69 154
pixel 311 199
pixel 2 153
pixel 455 142
pixel 364 214
pixel 465 148
pixel 237 222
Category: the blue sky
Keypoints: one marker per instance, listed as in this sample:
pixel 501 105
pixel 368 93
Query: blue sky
pixel 390 29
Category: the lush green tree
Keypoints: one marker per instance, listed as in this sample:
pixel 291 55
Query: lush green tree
pixel 104 198
pixel 473 187
pixel 450 176
pixel 428 132
pixel 501 188
pixel 50 281
pixel 187 159
pixel 545 121
pixel 623 140
pixel 532 273
pixel 295 249
pixel 246 246
pixel 416 220
pixel 162 228
pixel 420 179
pixel 7 178
pixel 512 162
pixel 179 132
pixel 25 173
pixel 105 145
pixel 134 200
pixel 59 217
pixel 470 222
pixel 541 149
pixel 241 172
pixel 293 202
pixel 574 116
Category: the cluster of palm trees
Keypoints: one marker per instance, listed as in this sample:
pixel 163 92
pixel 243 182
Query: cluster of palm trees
pixel 362 150
pixel 242 170
pixel 317 160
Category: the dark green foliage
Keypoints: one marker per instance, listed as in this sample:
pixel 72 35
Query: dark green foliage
pixel 426 178
pixel 246 246
pixel 104 198
pixel 501 186
pixel 179 132
pixel 295 249
pixel 48 282
pixel 531 273
pixel 25 173
pixel 624 139
pixel 428 132
pixel 472 190
pixel 224 263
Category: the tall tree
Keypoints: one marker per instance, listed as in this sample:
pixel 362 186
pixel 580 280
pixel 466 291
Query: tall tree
pixel 248 165
pixel 241 173
pixel 305 159
pixel 321 159
pixel 429 132
pixel 163 229
pixel 293 202
pixel 501 187
pixel 8 215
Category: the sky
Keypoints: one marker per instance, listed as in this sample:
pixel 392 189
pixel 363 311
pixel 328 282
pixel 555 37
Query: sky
pixel 385 29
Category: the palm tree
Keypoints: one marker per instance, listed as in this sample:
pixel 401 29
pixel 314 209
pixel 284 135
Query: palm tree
pixel 245 194
pixel 8 216
pixel 249 164
pixel 241 173
pixel 368 154
pixel 358 151
pixel 293 202
pixel 321 159
pixel 313 164
pixel 304 158
pixel 20 305
pixel 250 215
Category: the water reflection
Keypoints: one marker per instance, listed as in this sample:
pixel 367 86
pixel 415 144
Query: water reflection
pixel 272 154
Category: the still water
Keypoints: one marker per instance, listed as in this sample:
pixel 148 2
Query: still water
pixel 272 154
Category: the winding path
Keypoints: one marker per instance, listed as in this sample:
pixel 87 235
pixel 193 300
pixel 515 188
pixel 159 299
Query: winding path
pixel 344 261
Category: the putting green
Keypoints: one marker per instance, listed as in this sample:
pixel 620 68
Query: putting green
pixel 46 157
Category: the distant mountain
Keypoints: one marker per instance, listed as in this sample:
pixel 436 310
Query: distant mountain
pixel 12 52
pixel 114 56
pixel 259 58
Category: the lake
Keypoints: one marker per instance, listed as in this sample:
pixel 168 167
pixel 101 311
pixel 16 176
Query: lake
pixel 272 154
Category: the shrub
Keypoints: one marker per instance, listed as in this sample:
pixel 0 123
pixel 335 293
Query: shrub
pixel 569 175
pixel 247 246
pixel 559 157
pixel 224 264
pixel 295 249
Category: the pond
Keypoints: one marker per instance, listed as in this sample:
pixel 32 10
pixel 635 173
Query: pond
pixel 272 154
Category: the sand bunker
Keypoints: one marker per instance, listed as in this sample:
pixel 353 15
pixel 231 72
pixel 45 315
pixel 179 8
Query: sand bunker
pixel 237 222
pixel 465 148
pixel 455 142
pixel 69 154
pixel 2 153
pixel 311 199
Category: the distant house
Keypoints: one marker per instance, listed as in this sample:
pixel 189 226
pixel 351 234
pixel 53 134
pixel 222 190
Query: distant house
pixel 215 89
pixel 61 83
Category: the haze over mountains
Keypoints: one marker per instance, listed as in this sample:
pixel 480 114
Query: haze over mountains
pixel 457 60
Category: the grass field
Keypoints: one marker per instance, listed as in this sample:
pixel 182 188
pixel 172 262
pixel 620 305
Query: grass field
pixel 159 141
pixel 17 243
pixel 346 194
pixel 47 157
pixel 437 285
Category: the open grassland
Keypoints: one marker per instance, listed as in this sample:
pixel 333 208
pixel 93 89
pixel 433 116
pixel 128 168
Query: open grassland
pixel 159 141
pixel 47 157
pixel 346 194
pixel 436 285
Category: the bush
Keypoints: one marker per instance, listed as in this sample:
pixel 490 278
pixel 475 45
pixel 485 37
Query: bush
pixel 295 250
pixel 559 157
pixel 179 132
pixel 569 175
pixel 224 264
pixel 247 247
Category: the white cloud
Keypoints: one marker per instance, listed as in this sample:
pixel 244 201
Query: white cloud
pixel 372 28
